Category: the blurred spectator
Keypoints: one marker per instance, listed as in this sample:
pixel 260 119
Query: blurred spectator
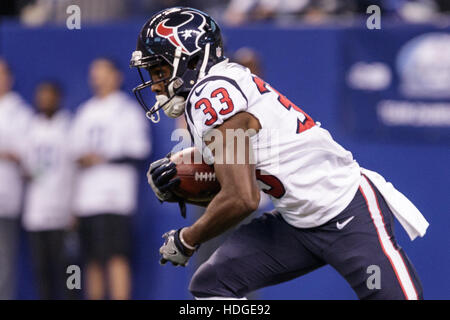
pixel 245 11
pixel 205 5
pixel 418 11
pixel 288 11
pixel 249 58
pixel 14 118
pixel 232 12
pixel 12 8
pixel 39 12
pixel 110 137
pixel 92 11
pixel 47 214
pixel 318 11
pixel 443 5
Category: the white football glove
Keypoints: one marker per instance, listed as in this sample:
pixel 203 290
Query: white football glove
pixel 173 250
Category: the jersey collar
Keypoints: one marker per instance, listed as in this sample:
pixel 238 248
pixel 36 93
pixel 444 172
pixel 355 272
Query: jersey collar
pixel 215 69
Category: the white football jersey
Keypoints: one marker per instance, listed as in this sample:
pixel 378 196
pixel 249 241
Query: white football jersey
pixel 14 118
pixel 309 177
pixel 112 127
pixel 51 169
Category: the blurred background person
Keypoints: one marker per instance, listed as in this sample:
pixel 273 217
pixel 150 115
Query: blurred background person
pixel 239 12
pixel 249 58
pixel 41 12
pixel 231 12
pixel 14 117
pixel 13 8
pixel 110 138
pixel 50 170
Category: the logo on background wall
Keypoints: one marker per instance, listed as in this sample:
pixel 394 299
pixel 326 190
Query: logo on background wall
pixel 423 65
pixel 371 76
pixel 182 29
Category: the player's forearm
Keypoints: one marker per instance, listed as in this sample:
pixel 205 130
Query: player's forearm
pixel 223 212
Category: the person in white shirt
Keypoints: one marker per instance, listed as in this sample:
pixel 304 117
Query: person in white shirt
pixel 14 115
pixel 109 138
pixel 47 212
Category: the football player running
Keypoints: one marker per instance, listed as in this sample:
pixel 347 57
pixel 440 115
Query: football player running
pixel 328 210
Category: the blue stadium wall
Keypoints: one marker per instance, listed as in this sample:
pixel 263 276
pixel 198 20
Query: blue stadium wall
pixel 305 64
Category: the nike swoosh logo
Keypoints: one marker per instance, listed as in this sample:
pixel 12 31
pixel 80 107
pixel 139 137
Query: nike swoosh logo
pixel 198 92
pixel 171 252
pixel 340 226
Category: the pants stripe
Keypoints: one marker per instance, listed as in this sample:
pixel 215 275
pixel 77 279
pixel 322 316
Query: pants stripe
pixel 219 298
pixel 395 258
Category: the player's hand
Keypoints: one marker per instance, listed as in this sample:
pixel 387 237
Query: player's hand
pixel 9 156
pixel 89 160
pixel 160 177
pixel 173 250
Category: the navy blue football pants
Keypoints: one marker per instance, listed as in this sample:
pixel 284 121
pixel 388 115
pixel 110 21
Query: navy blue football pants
pixel 359 243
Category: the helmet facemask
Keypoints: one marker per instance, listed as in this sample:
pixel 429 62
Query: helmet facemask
pixel 144 89
pixel 177 86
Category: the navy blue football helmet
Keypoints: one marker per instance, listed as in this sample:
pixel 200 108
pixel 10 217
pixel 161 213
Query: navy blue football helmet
pixel 186 39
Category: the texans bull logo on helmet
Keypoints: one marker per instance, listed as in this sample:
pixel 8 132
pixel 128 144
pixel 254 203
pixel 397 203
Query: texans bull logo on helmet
pixel 180 28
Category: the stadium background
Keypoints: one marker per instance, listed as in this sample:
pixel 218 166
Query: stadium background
pixel 310 65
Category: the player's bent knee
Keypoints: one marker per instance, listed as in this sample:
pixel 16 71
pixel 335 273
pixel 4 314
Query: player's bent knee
pixel 208 281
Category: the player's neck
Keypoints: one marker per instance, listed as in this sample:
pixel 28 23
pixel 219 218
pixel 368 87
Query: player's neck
pixel 101 94
pixel 49 114
pixel 4 93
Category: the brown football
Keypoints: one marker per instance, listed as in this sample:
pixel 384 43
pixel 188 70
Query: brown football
pixel 198 179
